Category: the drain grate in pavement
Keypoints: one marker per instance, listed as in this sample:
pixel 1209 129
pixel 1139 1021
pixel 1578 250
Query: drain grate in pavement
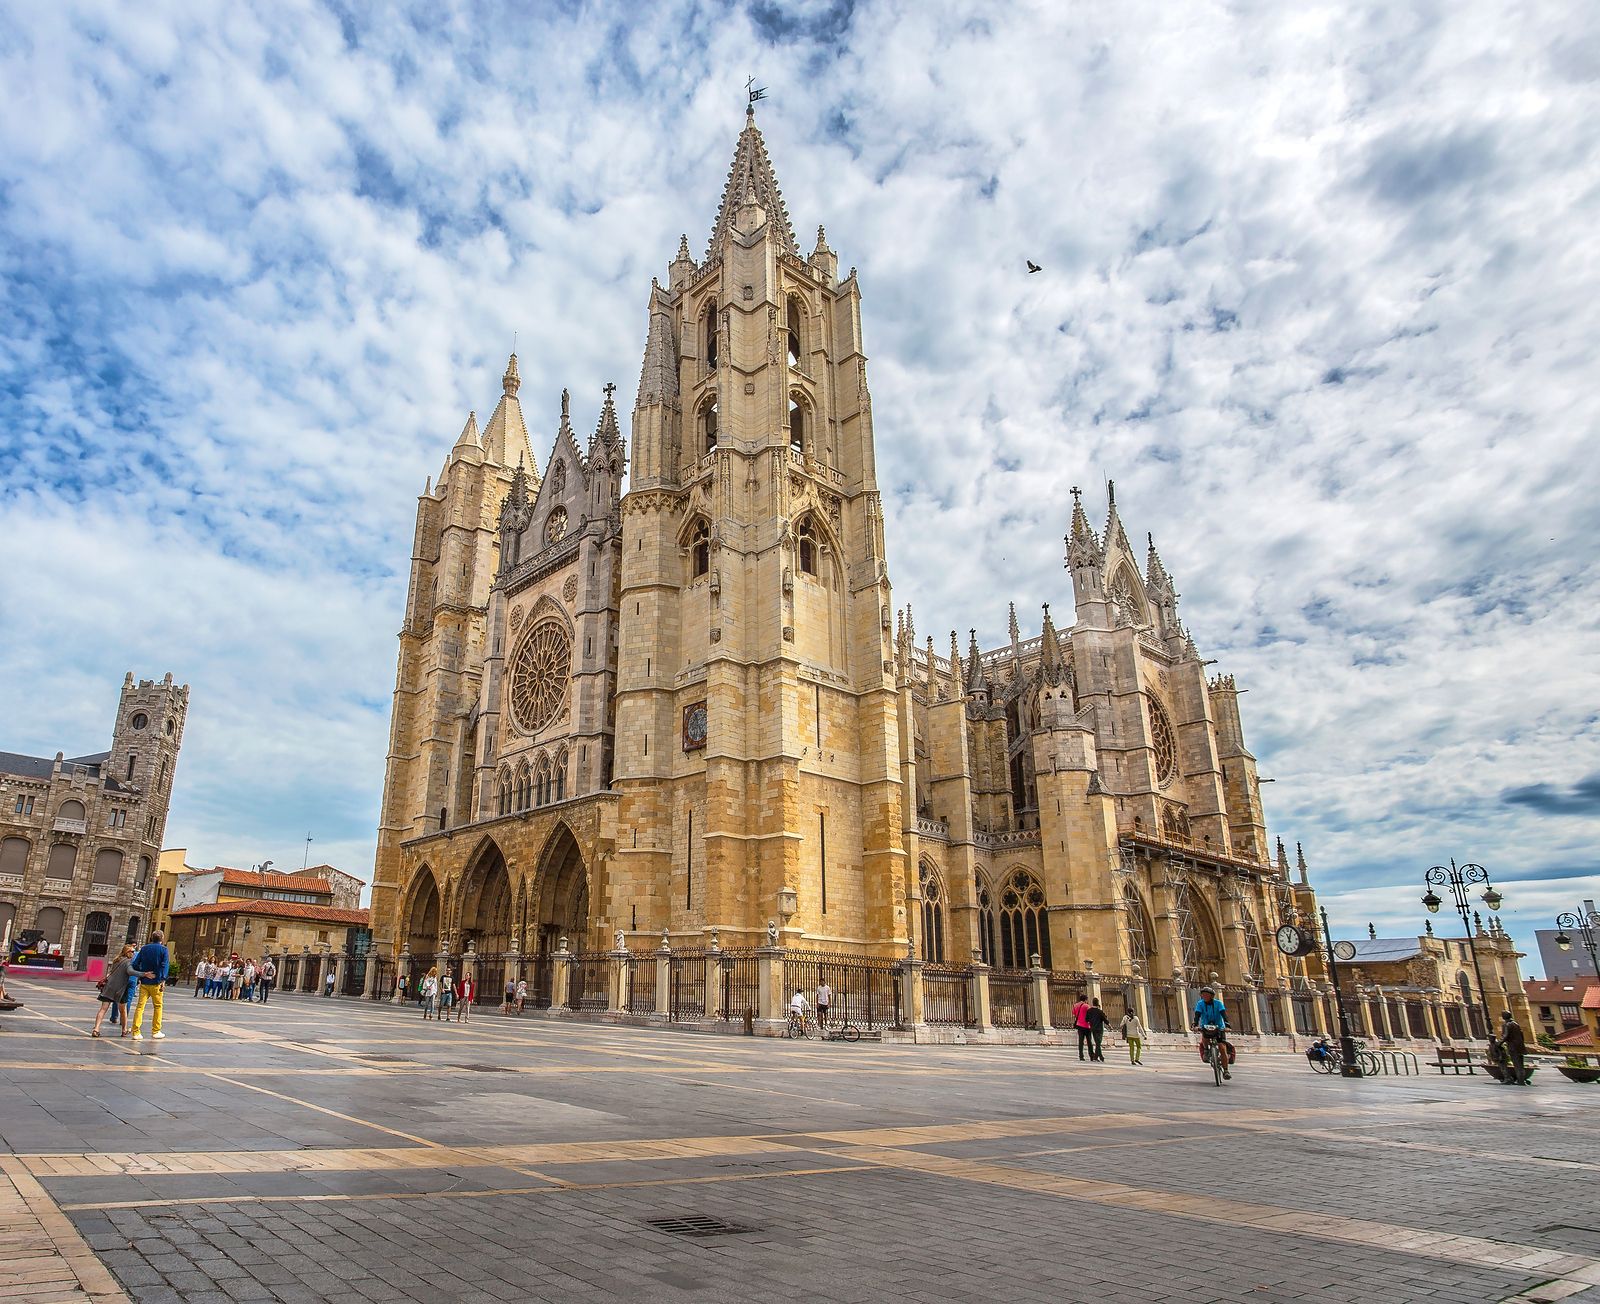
pixel 698 1224
pixel 479 1068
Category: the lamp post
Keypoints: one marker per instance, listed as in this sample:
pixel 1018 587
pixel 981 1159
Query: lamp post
pixel 1585 921
pixel 1459 878
pixel 1348 1068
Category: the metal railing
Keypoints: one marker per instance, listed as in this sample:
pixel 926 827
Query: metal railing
pixel 1011 999
pixel 589 982
pixel 947 996
pixel 686 986
pixel 738 985
pixel 641 977
pixel 864 991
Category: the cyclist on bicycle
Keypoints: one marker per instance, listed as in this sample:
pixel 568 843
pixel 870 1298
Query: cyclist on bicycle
pixel 1211 1017
pixel 799 1007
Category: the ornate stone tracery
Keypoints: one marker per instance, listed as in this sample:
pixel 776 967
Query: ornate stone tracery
pixel 540 670
pixel 1163 743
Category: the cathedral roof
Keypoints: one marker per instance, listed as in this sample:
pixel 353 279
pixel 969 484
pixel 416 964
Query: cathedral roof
pixel 658 377
pixel 751 175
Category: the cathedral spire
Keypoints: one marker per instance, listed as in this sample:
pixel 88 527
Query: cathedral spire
pixel 955 666
pixel 1154 570
pixel 1083 544
pixel 607 434
pixel 1049 649
pixel 469 435
pixel 1300 859
pixel 658 376
pixel 977 678
pixel 1115 534
pixel 933 677
pixel 751 179
pixel 511 382
pixel 505 438
pixel 1283 859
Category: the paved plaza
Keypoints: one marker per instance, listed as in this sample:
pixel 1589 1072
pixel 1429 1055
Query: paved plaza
pixel 336 1149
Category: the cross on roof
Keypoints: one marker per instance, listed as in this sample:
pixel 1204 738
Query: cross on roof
pixel 610 389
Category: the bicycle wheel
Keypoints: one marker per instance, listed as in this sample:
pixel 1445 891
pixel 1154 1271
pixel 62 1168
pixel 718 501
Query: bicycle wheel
pixel 850 1032
pixel 790 1029
pixel 1324 1065
pixel 1219 1060
pixel 1370 1065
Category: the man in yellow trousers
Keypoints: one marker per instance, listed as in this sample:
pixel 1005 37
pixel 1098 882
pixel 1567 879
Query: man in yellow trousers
pixel 150 964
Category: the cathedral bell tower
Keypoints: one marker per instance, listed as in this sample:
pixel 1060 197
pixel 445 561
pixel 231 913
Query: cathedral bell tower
pixel 756 745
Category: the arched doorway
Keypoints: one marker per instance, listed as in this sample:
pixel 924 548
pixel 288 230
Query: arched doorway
pixel 97 934
pixel 421 929
pixel 560 902
pixel 484 903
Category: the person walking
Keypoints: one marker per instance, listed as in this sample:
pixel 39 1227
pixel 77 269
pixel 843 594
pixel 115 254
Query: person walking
pixel 150 966
pixel 430 993
pixel 1515 1046
pixel 267 976
pixel 1080 1021
pixel 1133 1034
pixel 1097 1031
pixel 114 990
pixel 511 997
pixel 464 995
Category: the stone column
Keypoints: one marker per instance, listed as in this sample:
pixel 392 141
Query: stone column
pixel 1091 981
pixel 617 993
pixel 469 967
pixel 713 978
pixel 1040 977
pixel 1383 1013
pixel 402 967
pixel 664 979
pixel 1327 1020
pixel 912 999
pixel 1141 1003
pixel 1441 1029
pixel 306 985
pixel 770 995
pixel 982 1018
pixel 369 979
pixel 561 979
pixel 513 967
pixel 1286 1012
pixel 338 963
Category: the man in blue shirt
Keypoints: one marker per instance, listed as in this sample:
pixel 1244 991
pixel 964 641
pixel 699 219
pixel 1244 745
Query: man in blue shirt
pixel 1209 1012
pixel 150 964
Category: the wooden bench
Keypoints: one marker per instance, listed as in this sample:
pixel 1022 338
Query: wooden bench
pixel 1454 1058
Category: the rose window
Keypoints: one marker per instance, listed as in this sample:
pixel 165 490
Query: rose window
pixel 1163 744
pixel 556 526
pixel 539 674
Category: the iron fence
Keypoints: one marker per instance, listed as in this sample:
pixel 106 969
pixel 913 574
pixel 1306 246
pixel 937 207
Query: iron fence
pixel 589 982
pixel 311 973
pixel 1066 990
pixel 538 971
pixel 1166 1007
pixel 1417 1019
pixel 947 995
pixel 1305 1015
pixel 1243 1014
pixel 641 984
pixel 686 986
pixel 738 985
pixel 863 991
pixel 355 975
pixel 1011 999
pixel 383 985
pixel 289 974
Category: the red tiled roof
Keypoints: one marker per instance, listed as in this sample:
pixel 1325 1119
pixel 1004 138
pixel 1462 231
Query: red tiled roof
pixel 276 910
pixel 277 882
pixel 1557 991
pixel 1591 998
pixel 1575 1037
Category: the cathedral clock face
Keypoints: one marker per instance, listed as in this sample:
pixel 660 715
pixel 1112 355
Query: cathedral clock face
pixel 539 673
pixel 694 726
pixel 1291 941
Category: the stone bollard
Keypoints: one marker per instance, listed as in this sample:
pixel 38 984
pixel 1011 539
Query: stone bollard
pixel 402 970
pixel 714 979
pixel 369 978
pixel 913 997
pixel 513 969
pixel 771 999
pixel 617 987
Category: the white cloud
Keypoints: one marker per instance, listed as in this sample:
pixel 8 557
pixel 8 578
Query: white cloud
pixel 1320 291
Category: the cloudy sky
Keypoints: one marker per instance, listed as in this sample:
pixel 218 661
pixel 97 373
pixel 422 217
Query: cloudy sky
pixel 1321 292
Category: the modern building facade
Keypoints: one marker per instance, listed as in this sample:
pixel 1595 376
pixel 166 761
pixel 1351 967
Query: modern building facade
pixel 691 711
pixel 80 836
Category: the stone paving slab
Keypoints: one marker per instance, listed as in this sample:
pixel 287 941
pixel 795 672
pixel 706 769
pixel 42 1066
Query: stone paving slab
pixel 265 1153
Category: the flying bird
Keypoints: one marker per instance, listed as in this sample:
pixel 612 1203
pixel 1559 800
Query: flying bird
pixel 1033 267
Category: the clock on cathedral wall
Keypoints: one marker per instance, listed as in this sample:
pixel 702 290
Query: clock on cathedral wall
pixel 694 726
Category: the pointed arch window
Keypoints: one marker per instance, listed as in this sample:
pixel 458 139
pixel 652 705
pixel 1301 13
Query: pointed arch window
pixel 1024 929
pixel 710 330
pixel 794 320
pixel 524 793
pixel 708 425
pixel 806 545
pixel 932 913
pixel 987 932
pixel 503 793
pixel 700 548
pixel 797 423
pixel 559 779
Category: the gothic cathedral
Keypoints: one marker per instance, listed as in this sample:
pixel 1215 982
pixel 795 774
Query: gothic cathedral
pixel 690 710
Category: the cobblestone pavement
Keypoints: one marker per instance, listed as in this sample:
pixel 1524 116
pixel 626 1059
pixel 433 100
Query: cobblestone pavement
pixel 319 1149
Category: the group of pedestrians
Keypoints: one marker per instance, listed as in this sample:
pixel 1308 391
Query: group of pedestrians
pixel 440 995
pixel 237 978
pixel 1090 1022
pixel 134 979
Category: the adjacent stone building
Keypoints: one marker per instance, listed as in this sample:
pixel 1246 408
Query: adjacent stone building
pixel 80 836
pixel 691 712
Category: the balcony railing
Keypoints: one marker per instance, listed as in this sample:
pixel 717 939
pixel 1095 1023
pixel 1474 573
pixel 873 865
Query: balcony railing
pixel 71 826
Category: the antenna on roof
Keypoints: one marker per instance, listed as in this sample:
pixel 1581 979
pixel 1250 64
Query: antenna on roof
pixel 306 860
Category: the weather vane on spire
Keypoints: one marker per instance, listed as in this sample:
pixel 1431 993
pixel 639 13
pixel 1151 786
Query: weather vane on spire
pixel 754 92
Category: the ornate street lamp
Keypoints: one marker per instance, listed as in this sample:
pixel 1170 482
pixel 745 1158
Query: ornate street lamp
pixel 1459 878
pixel 1585 921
